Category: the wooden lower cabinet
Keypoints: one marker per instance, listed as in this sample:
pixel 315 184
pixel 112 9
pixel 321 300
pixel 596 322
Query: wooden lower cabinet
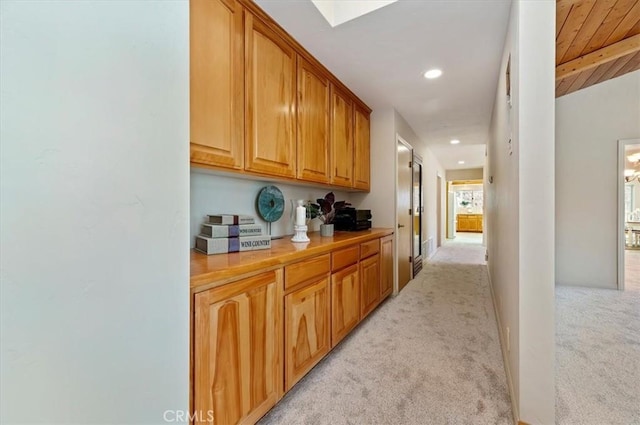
pixel 386 266
pixel 238 350
pixel 256 337
pixel 369 284
pixel 307 327
pixel 345 302
pixel 469 223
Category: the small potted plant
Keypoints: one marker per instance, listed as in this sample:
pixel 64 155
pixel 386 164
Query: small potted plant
pixel 326 209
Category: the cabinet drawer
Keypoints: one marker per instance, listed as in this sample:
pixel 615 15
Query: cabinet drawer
pixel 367 249
pixel 344 257
pixel 305 270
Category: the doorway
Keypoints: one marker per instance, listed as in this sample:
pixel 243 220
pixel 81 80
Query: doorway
pixel 404 232
pixel 465 218
pixel 629 214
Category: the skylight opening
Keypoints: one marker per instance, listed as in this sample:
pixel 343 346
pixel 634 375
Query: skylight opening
pixel 338 12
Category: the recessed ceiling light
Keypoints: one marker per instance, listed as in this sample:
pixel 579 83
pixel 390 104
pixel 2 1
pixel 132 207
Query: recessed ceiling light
pixel 455 141
pixel 432 73
pixel 460 162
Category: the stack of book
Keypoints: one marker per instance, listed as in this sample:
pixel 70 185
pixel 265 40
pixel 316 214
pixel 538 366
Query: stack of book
pixel 223 233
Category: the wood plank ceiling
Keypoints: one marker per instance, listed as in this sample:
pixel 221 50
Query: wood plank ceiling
pixel 596 40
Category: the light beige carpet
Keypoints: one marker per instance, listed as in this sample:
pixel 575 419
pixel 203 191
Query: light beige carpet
pixel 431 355
pixel 598 352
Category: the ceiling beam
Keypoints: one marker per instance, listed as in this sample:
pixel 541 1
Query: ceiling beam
pixel 598 57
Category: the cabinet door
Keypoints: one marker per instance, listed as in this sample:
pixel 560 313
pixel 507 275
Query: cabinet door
pixel 306 329
pixel 480 228
pixel 217 83
pixel 473 223
pixel 341 138
pixel 345 303
pixel 313 124
pixel 270 101
pixel 238 350
pixel 362 157
pixel 463 223
pixel 370 284
pixel 386 266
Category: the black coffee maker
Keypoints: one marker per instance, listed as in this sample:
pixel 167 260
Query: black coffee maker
pixel 352 219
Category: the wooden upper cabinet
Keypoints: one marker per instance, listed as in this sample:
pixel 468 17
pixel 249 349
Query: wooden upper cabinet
pixel 261 105
pixel 238 371
pixel 270 72
pixel 341 138
pixel 307 329
pixel 362 157
pixel 217 83
pixel 313 123
pixel 386 266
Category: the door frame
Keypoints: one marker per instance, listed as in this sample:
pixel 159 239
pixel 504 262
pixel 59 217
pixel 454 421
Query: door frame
pixel 622 143
pixel 439 180
pixel 415 161
pixel 396 284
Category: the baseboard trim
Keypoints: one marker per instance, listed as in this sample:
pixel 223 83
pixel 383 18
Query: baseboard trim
pixel 505 357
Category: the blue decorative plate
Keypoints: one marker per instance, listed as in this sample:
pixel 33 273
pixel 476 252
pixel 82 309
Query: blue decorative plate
pixel 270 203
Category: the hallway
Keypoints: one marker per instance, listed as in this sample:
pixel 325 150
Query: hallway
pixel 429 355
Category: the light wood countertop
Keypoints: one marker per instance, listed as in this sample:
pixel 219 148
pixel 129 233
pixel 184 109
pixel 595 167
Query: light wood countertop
pixel 208 271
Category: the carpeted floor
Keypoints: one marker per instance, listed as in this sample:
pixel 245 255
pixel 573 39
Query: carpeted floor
pixel 467 237
pixel 598 352
pixel 431 355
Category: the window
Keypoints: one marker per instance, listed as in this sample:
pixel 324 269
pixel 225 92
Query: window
pixel 469 199
pixel 628 199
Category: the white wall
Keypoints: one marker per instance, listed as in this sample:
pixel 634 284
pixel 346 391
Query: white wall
pixel 536 138
pixel 432 171
pixel 589 123
pixel 520 209
pixel 94 205
pixel 466 174
pixel 501 213
pixel 218 194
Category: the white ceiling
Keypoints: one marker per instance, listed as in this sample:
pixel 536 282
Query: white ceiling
pixel 382 55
